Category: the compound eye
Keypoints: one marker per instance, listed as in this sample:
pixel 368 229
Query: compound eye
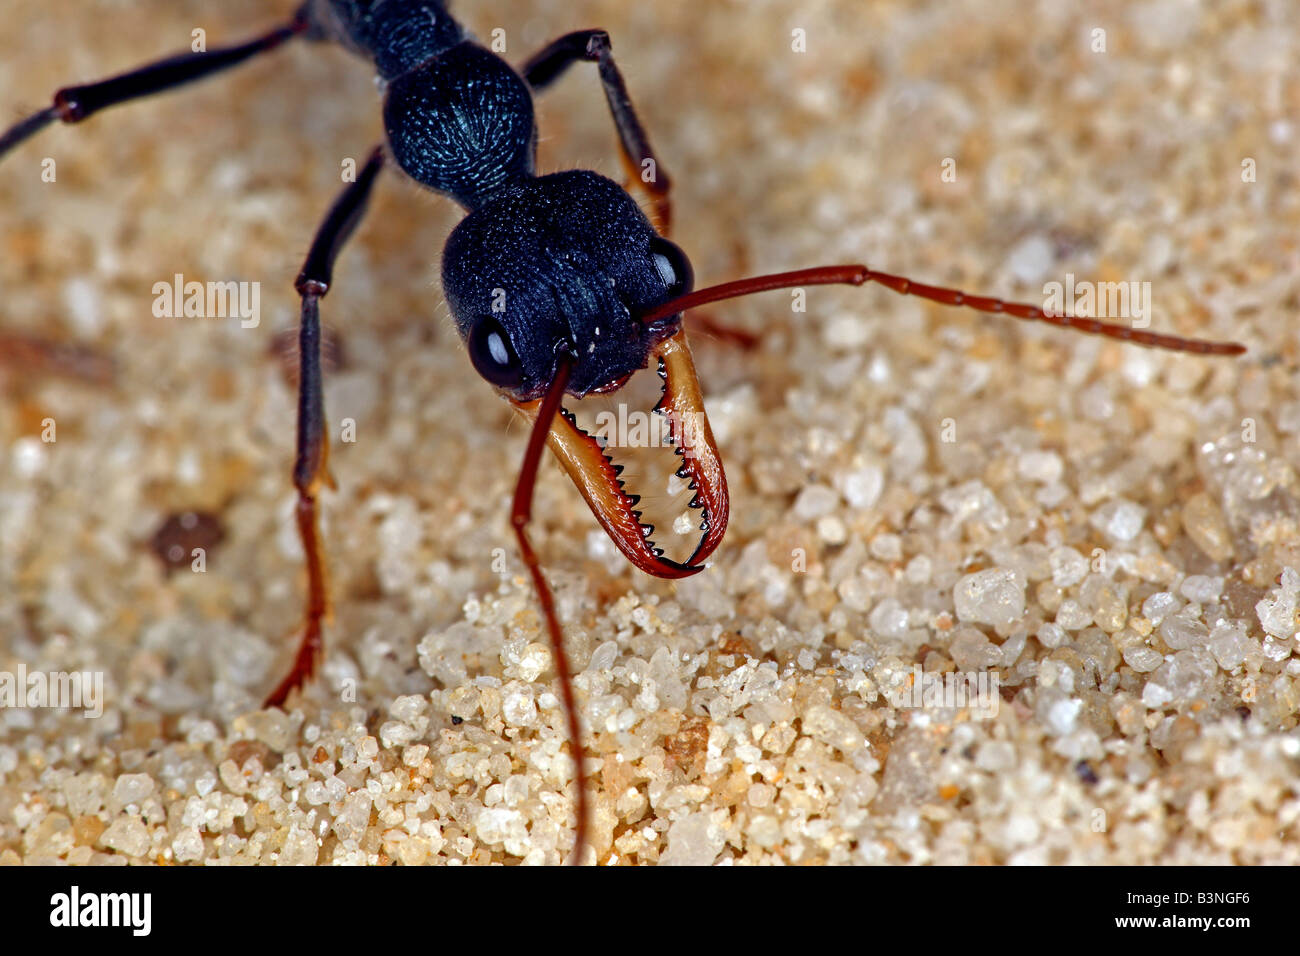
pixel 673 267
pixel 493 355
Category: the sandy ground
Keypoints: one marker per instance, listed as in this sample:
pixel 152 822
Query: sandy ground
pixel 1101 529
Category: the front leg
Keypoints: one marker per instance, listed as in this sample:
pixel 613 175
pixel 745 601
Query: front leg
pixel 593 46
pixel 311 469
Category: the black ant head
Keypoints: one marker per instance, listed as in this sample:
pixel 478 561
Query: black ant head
pixel 551 283
pixel 561 265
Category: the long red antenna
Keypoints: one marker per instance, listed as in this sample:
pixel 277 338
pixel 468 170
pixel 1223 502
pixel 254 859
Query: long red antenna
pixel 520 514
pixel 859 275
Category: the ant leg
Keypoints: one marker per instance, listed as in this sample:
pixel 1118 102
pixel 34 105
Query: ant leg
pixel 594 46
pixel 310 468
pixel 709 326
pixel 72 104
pixel 642 165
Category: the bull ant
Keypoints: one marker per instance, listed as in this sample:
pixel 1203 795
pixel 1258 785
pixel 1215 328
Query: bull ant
pixel 559 284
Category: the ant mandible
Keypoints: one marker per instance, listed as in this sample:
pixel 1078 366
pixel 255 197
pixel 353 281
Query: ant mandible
pixel 559 284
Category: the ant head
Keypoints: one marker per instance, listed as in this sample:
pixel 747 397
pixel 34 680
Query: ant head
pixel 552 284
pixel 561 265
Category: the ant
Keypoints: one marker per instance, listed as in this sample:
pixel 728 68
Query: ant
pixel 559 284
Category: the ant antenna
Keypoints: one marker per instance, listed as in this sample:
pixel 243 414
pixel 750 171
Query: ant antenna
pixel 860 274
pixel 521 513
